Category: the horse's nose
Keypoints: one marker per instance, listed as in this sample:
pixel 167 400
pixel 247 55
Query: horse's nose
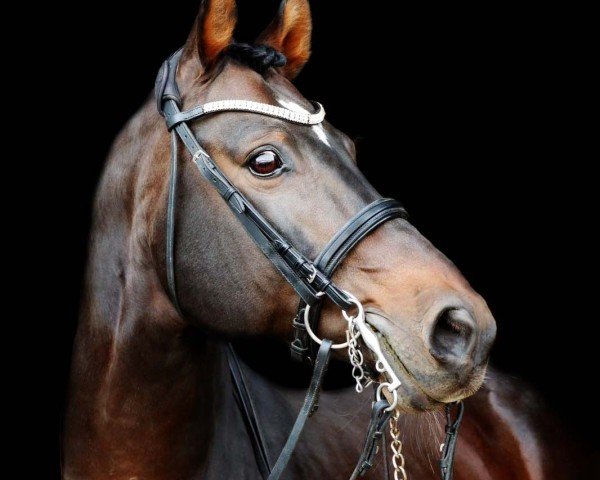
pixel 455 340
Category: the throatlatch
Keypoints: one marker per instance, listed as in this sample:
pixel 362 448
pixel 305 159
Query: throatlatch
pixel 311 280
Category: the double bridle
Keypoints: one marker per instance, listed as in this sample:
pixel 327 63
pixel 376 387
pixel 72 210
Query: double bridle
pixel 311 280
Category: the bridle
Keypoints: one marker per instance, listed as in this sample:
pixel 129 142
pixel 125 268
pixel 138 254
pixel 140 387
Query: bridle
pixel 311 280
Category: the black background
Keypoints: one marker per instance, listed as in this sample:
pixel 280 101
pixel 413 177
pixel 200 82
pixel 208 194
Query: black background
pixel 489 138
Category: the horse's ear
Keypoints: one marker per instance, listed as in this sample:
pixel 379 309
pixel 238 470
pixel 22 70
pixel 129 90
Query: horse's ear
pixel 213 30
pixel 290 33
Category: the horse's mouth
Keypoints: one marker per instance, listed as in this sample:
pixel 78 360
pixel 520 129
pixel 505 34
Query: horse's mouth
pixel 411 395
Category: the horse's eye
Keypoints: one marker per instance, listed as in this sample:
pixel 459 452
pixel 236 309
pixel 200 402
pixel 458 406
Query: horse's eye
pixel 265 163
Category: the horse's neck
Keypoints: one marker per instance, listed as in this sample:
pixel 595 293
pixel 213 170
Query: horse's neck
pixel 149 400
pixel 148 394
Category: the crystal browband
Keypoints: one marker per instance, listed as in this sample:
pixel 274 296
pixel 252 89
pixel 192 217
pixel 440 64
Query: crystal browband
pixel 303 118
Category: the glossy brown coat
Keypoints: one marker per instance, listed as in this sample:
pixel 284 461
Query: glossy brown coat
pixel 150 394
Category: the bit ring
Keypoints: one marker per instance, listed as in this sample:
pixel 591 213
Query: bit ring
pixel 394 393
pixel 335 346
pixel 311 333
pixel 353 299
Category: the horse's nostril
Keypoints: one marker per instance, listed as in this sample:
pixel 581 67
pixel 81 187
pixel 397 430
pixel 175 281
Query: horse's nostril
pixel 452 337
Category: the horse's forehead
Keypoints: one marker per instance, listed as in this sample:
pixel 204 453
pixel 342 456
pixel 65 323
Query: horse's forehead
pixel 240 82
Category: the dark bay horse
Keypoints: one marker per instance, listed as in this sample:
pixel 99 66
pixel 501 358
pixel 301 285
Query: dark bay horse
pixel 151 396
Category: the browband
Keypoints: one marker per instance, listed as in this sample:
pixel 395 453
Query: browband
pixel 302 118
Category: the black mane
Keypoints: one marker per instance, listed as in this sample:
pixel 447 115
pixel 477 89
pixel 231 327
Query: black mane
pixel 258 57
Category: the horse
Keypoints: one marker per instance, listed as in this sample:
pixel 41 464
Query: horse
pixel 151 395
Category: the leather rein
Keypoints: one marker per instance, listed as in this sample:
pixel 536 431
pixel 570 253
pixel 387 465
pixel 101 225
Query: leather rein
pixel 311 280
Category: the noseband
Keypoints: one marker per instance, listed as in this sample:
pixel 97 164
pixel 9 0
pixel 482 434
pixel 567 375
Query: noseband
pixel 311 280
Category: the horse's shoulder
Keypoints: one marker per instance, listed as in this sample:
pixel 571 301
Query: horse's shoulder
pixel 515 422
pixel 508 394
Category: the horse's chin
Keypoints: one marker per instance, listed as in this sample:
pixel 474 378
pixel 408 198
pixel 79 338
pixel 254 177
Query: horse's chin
pixel 412 397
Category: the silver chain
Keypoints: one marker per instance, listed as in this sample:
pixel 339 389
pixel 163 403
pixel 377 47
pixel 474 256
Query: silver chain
pixel 396 446
pixel 356 357
pixel 357 328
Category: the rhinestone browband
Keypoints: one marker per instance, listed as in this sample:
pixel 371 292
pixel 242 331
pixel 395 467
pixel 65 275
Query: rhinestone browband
pixel 304 118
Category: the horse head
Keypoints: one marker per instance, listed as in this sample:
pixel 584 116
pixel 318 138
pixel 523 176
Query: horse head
pixel 435 330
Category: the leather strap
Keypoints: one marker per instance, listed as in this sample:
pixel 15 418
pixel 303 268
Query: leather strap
pixel 311 403
pixel 246 406
pixel 171 209
pixel 356 229
pixel 386 464
pixel 375 432
pixel 177 118
pixel 165 87
pixel 449 446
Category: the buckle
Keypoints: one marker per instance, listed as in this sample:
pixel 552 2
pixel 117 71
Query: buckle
pixel 298 350
pixel 298 322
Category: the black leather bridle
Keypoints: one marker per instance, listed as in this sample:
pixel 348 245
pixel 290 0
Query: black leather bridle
pixel 311 280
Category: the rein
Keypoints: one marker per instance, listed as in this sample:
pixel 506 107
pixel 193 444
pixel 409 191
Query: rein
pixel 311 280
